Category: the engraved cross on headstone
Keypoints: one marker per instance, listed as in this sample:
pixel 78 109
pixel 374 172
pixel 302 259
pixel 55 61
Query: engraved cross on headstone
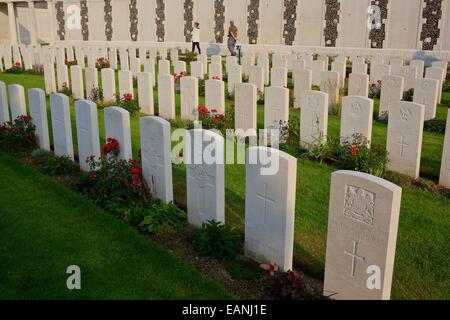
pixel 402 144
pixel 266 200
pixel 354 258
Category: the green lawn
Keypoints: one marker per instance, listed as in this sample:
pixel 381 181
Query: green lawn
pixel 46 228
pixel 422 260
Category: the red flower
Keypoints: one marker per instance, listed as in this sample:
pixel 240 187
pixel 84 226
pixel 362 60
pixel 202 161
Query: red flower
pixel 215 121
pixel 214 110
pixel 18 64
pixel 111 146
pixel 353 150
pixel 216 78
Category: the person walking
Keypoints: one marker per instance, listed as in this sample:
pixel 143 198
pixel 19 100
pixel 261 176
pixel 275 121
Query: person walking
pixel 196 38
pixel 232 38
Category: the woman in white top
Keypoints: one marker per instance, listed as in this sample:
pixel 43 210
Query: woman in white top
pixel 196 38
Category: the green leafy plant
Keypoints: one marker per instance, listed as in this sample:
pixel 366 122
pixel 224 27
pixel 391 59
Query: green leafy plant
pixel 130 104
pixel 217 240
pixel 446 87
pixel 201 88
pixel 17 68
pixel 375 90
pixel 59 166
pixel 435 126
pixel 18 136
pixel 160 215
pixel 408 95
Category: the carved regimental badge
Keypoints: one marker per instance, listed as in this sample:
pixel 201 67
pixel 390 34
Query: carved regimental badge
pixel 359 204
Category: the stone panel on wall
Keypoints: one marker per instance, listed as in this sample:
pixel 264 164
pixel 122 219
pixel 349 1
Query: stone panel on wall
pixel 133 20
pixel 377 35
pixel 188 19
pixel 219 18
pixel 290 18
pixel 160 18
pixel 252 21
pixel 84 20
pixel 432 13
pixel 60 31
pixel 108 20
pixel 403 25
pixel 310 15
pixel 331 22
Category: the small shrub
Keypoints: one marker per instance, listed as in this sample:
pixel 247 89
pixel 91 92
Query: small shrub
pixel 217 240
pixel 18 136
pixel 408 95
pixel 435 126
pixel 375 90
pixel 211 119
pixel 59 166
pixel 17 68
pixel 201 88
pixel 291 286
pixel 446 87
pixel 96 94
pixel 41 154
pixel 160 215
pixel 129 103
pixel 260 97
pixel 102 63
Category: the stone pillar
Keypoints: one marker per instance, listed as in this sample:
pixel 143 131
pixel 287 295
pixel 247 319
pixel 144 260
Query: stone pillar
pixel 33 23
pixel 12 23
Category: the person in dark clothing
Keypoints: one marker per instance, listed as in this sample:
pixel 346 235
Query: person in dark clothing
pixel 232 38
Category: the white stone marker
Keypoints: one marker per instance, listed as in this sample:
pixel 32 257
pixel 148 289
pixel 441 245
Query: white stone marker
pixel 317 67
pixel 108 84
pixel 216 59
pixel 426 93
pixel 420 64
pixel 117 126
pixel 91 75
pixel 17 101
pixel 362 234
pixel 205 177
pixel 276 107
pixel 179 66
pixel 62 127
pixel 189 98
pixel 113 58
pixel 245 106
pixel 166 96
pixel 149 66
pixel 396 62
pixel 215 71
pixel 247 63
pixel 359 68
pixel 437 74
pixel 62 75
pixel 444 177
pixel 234 77
pixel 215 95
pixel 341 68
pixel 391 91
pixel 50 78
pixel 256 77
pixel 264 62
pixel 230 61
pixel 164 67
pixel 135 66
pixel 314 118
pixel 38 113
pixel 156 157
pixel 4 108
pixel 302 83
pixel 404 138
pixel 279 61
pixel 197 70
pixel 358 84
pixel 124 63
pixel 357 115
pixel 409 73
pixel 76 74
pixel 270 208
pixel 87 132
pixel 203 58
pixel 279 77
pixel 378 71
pixel 330 85
pixel 125 83
pixel 145 92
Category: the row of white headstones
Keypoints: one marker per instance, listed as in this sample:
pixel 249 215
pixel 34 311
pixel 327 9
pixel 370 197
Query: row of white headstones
pixel 405 131
pixel 363 213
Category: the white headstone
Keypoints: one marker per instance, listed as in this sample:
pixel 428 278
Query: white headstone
pixel 245 107
pixel 166 96
pixel 409 73
pixel 4 109
pixel 50 78
pixel 61 125
pixel 215 71
pixel 426 93
pixel 87 132
pixel 164 67
pixel 330 85
pixel 420 64
pixel 108 84
pixel 437 74
pixel 317 67
pixel 197 70
pixel 341 68
pixel 205 177
pixel 135 66
pixel 91 78
pixel 117 126
pixel 279 77
pixel 76 74
pixel 179 66
pixel 391 91
pixel 270 208
pixel 149 66
pixel 314 118
pixel 124 63
pixel 125 83
pixel 362 233
pixel 378 71
pixel 276 107
pixel 404 138
pixel 356 118
pixel 145 92
pixel 17 101
pixel 302 83
pixel 444 177
pixel 38 113
pixel 358 84
pixel 256 77
pixel 359 68
pixel 189 98
pixel 234 77
pixel 215 95
pixel 156 157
